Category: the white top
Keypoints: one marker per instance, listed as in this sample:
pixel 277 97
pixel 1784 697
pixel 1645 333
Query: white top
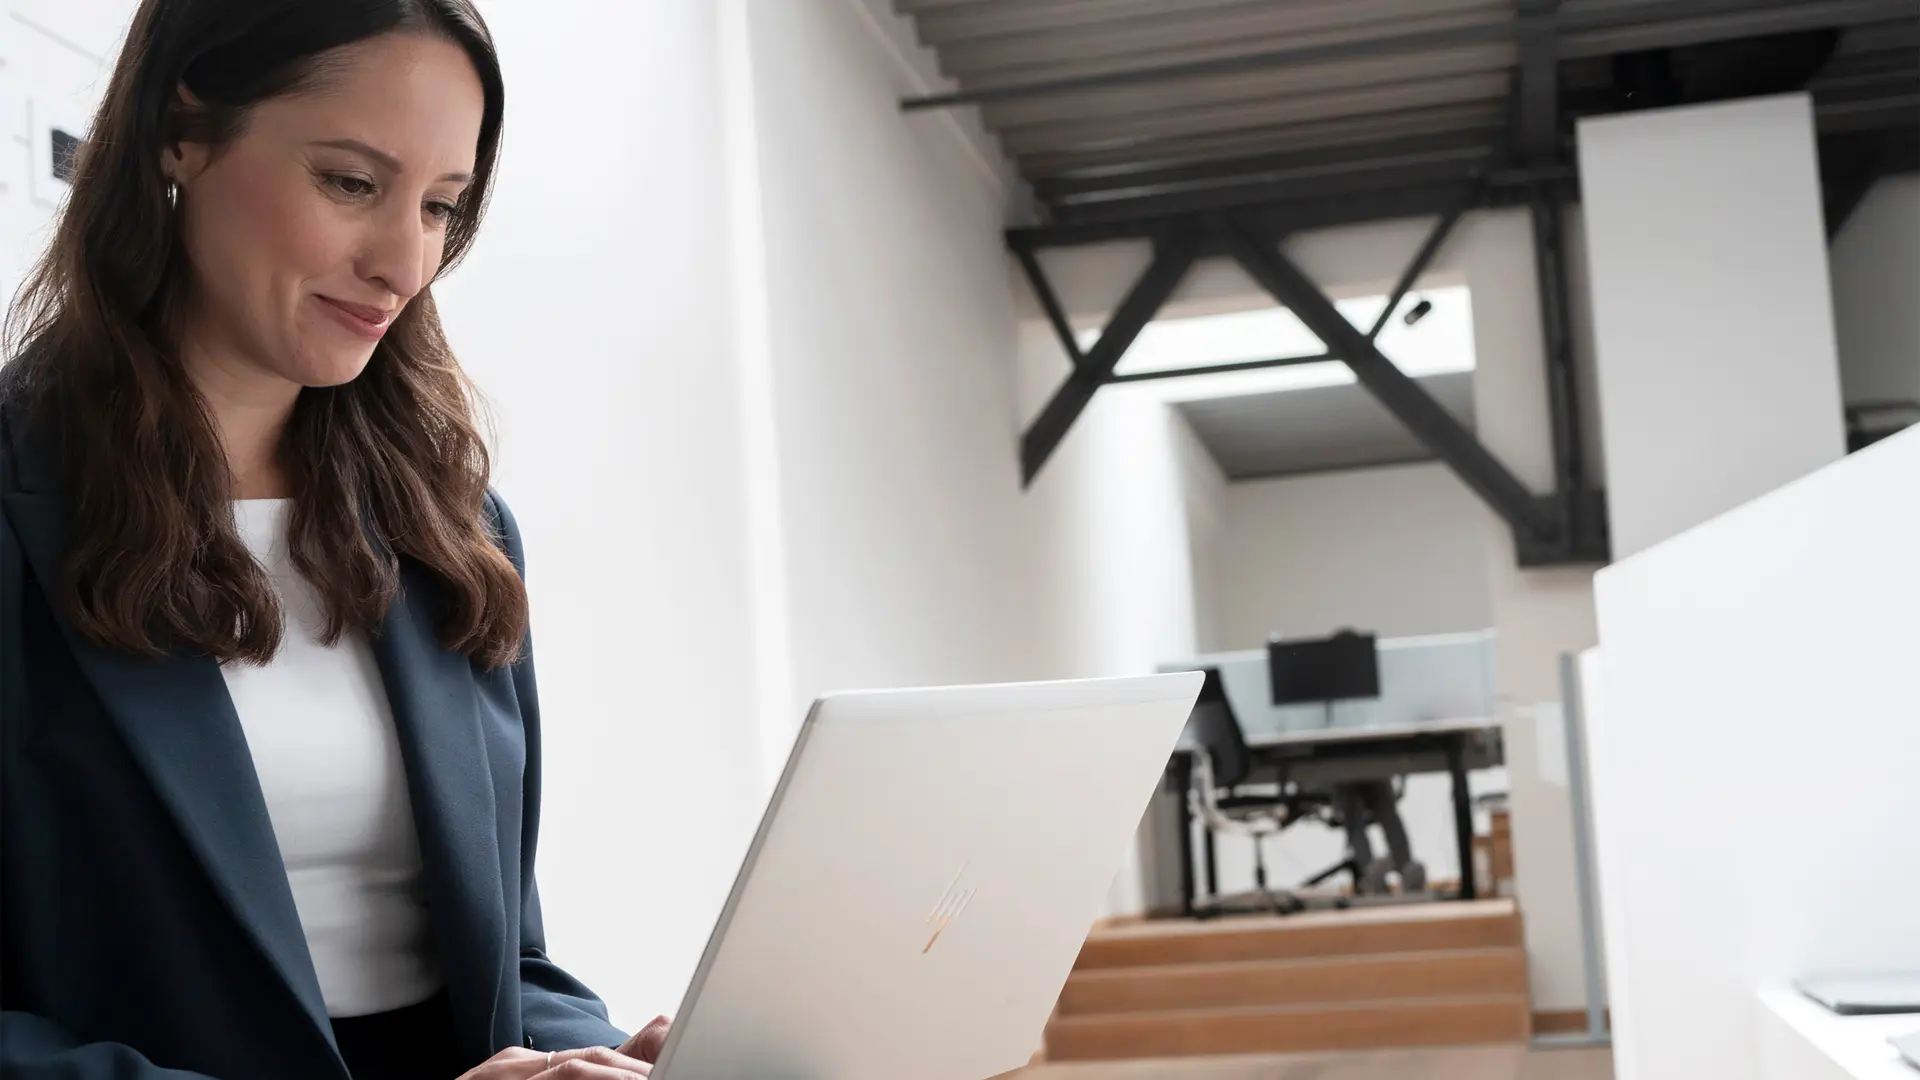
pixel 321 732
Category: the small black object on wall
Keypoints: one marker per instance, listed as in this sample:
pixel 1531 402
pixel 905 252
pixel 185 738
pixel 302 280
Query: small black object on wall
pixel 66 155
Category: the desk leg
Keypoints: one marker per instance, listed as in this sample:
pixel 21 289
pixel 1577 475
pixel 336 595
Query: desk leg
pixel 1213 876
pixel 1182 770
pixel 1462 814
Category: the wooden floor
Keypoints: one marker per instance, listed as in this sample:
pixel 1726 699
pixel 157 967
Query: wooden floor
pixel 1464 1063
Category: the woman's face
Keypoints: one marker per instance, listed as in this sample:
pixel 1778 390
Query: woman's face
pixel 310 230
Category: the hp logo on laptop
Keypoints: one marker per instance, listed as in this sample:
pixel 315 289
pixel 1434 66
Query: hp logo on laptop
pixel 949 908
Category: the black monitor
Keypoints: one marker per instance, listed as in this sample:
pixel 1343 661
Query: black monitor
pixel 1313 670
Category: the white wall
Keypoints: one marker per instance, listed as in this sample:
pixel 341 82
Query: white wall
pixel 1399 550
pixel 601 330
pixel 911 549
pixel 1875 263
pixel 1782 630
pixel 1206 489
pixel 1712 309
pixel 56 57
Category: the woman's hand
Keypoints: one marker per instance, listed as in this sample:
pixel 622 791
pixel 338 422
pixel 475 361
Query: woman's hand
pixel 647 1043
pixel 594 1063
pixel 634 1058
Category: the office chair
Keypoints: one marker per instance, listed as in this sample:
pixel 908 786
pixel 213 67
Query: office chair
pixel 1222 799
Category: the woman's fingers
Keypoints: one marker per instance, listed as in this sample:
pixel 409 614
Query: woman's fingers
pixel 515 1063
pixel 594 1063
pixel 647 1043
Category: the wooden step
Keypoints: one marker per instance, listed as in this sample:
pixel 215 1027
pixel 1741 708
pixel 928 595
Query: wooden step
pixel 1289 1028
pixel 1329 980
pixel 1483 924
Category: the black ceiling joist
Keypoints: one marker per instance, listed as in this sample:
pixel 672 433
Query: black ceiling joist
pixel 1536 95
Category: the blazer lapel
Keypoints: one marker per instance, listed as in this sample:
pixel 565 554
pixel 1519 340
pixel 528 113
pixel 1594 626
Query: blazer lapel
pixel 179 722
pixel 449 776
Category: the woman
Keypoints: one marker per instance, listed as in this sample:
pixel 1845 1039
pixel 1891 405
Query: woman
pixel 269 748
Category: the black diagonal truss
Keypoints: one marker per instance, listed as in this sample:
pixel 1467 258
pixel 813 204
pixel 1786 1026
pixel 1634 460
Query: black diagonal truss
pixel 1260 256
pixel 1428 249
pixel 1050 303
pixel 1173 253
pixel 1567 526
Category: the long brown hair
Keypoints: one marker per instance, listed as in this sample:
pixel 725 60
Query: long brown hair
pixel 389 465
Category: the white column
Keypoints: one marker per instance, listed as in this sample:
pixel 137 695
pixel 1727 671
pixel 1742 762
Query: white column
pixel 1713 317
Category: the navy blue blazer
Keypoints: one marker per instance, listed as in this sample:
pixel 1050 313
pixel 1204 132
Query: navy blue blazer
pixel 147 929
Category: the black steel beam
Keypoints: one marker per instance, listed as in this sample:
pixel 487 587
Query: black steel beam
pixel 1050 303
pixel 1703 21
pixel 1843 113
pixel 1630 26
pixel 1537 83
pixel 1173 253
pixel 1373 156
pixel 1222 369
pixel 1428 249
pixel 1498 188
pixel 1326 470
pixel 1435 176
pixel 1563 395
pixel 1259 255
pixel 1346 175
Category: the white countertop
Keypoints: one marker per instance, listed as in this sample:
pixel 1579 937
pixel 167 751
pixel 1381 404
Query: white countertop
pixel 1799 1039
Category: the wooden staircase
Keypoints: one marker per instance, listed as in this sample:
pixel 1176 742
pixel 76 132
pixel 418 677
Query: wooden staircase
pixel 1425 975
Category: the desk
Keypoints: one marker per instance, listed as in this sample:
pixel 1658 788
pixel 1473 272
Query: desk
pixel 1799 1039
pixel 1326 756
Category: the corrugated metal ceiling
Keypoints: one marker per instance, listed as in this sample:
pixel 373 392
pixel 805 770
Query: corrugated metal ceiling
pixel 1106 102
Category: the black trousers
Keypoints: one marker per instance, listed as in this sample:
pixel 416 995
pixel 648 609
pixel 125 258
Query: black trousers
pixel 414 1043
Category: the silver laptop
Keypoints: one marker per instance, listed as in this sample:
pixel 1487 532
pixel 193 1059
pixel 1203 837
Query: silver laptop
pixel 922 881
pixel 1865 994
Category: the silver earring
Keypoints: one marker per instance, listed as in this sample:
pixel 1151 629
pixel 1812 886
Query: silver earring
pixel 173 195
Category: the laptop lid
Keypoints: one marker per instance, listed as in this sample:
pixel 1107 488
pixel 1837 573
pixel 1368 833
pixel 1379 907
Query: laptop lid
pixel 923 879
pixel 1864 994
